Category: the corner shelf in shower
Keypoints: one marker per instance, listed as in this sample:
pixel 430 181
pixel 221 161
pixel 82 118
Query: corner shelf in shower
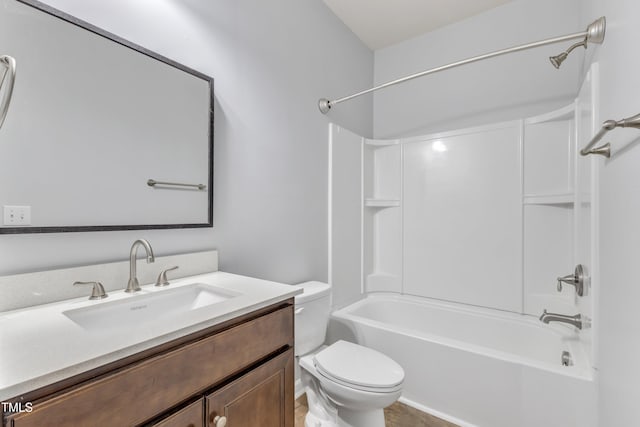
pixel 381 203
pixel 556 199
pixel 381 142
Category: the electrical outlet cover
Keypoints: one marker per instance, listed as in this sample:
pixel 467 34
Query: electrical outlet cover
pixel 17 215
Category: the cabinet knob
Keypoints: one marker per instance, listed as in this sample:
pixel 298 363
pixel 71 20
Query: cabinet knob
pixel 219 421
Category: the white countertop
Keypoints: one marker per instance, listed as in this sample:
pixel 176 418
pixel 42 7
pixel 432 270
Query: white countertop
pixel 40 345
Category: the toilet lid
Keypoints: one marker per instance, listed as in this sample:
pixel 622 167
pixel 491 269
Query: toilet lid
pixel 360 366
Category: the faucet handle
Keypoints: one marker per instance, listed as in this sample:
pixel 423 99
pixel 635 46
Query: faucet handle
pixel 97 292
pixel 576 279
pixel 569 279
pixel 162 277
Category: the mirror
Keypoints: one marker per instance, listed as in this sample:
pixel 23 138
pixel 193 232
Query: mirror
pixel 93 118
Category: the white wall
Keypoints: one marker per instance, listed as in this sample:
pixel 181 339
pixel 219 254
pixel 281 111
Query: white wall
pixel 271 61
pixel 509 87
pixel 619 294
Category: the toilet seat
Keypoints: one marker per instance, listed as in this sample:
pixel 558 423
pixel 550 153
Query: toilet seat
pixel 359 367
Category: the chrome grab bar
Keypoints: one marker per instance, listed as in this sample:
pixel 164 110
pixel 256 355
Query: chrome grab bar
pixel 153 183
pixel 605 150
pixel 10 77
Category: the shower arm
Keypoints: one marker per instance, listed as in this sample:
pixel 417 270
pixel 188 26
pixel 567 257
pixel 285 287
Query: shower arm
pixel 582 43
pixel 594 33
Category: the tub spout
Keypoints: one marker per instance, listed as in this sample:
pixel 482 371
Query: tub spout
pixel 555 317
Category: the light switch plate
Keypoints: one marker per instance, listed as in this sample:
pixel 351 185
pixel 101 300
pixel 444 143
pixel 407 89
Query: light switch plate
pixel 17 215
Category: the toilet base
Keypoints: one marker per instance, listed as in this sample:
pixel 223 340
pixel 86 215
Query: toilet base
pixel 350 418
pixel 312 421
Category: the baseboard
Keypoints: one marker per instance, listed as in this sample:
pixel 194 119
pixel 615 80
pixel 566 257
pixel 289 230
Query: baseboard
pixel 435 413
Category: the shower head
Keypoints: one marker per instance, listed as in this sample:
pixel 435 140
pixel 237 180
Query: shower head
pixel 594 34
pixel 557 60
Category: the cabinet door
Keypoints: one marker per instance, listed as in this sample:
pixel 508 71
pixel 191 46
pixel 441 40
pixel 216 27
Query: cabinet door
pixel 262 397
pixel 190 416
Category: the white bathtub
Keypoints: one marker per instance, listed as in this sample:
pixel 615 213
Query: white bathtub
pixel 475 366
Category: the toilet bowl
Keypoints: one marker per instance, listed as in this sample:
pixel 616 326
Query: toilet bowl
pixel 347 385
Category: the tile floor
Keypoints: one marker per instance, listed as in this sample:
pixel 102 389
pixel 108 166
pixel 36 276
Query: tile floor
pixel 396 415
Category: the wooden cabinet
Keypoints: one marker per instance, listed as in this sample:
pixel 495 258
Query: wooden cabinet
pixel 189 416
pixel 245 370
pixel 259 398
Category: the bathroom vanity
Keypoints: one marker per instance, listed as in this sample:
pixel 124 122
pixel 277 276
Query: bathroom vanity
pixel 241 369
pixel 230 360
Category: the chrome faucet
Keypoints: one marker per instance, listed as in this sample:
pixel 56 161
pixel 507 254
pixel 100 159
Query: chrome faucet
pixel 133 285
pixel 576 320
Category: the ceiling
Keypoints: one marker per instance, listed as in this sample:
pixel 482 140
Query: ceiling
pixel 382 23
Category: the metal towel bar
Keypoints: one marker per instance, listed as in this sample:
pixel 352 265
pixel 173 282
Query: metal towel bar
pixel 153 183
pixel 605 150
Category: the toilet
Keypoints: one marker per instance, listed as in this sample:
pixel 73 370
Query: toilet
pixel 347 385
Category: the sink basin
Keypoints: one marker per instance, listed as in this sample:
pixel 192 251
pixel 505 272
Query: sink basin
pixel 148 307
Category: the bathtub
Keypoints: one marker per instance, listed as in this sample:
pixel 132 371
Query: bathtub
pixel 475 366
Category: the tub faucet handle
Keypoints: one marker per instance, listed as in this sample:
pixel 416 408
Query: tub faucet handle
pixel 576 279
pixel 568 279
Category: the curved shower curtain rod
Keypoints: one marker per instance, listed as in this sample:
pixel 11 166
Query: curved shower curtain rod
pixel 594 34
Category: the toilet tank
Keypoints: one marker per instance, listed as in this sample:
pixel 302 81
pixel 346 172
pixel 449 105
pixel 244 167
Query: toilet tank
pixel 312 310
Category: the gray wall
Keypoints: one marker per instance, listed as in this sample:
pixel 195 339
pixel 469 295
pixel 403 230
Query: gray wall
pixel 504 88
pixel 271 61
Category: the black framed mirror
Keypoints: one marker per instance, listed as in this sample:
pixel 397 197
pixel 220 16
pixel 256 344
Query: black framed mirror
pixel 94 122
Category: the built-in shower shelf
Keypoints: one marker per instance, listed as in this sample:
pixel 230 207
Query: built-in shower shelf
pixel 549 199
pixel 381 142
pixel 381 203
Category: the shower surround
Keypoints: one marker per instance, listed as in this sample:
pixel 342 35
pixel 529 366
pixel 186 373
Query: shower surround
pixel 484 219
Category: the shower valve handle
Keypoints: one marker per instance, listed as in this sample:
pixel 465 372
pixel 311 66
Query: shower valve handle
pixel 569 279
pixel 576 279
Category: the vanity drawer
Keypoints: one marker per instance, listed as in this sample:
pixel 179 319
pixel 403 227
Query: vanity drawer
pixel 144 390
pixel 191 416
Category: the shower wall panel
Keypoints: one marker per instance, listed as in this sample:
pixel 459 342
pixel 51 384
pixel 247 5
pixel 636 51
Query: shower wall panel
pixel 549 199
pixel 547 255
pixel 462 217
